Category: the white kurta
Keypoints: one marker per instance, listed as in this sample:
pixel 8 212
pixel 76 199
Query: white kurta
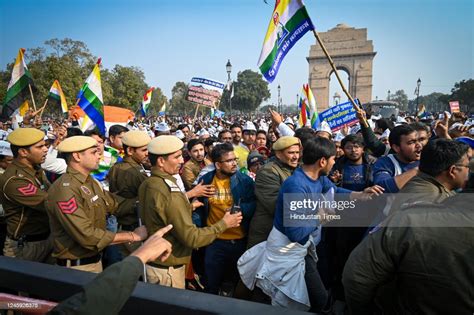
pixel 277 266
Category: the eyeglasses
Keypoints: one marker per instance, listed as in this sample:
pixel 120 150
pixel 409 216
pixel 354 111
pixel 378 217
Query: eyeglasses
pixel 230 161
pixel 462 165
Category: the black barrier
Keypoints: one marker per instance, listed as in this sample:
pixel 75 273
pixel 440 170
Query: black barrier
pixel 55 283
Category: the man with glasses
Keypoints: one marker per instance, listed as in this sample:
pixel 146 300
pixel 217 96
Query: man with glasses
pixel 419 260
pixel 234 193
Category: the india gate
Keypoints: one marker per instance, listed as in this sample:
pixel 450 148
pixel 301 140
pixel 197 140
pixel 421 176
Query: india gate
pixel 351 52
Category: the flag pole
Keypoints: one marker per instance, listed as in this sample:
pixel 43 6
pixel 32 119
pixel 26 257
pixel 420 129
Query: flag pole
pixel 44 106
pixel 32 98
pixel 331 62
pixel 195 114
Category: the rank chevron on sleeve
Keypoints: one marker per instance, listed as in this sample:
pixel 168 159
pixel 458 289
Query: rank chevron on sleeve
pixel 28 190
pixel 69 206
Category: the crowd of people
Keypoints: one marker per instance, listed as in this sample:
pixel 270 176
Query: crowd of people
pixel 87 201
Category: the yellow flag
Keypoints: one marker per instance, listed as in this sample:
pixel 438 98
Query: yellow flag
pixel 24 108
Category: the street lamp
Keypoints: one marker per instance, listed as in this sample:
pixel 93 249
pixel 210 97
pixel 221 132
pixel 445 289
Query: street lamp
pixel 418 83
pixel 337 99
pixel 228 68
pixel 388 97
pixel 297 100
pixel 279 101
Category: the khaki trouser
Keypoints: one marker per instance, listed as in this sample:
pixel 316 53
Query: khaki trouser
pixel 95 267
pixel 39 251
pixel 169 277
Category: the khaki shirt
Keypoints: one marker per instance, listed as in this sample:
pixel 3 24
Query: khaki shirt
pixel 163 203
pixel 125 178
pixel 23 192
pixel 191 170
pixel 77 206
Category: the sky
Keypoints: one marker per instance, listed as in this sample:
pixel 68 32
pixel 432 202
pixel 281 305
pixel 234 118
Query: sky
pixel 175 40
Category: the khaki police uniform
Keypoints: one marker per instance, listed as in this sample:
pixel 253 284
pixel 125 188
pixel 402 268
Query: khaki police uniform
pixel 77 207
pixel 23 192
pixel 162 203
pixel 125 178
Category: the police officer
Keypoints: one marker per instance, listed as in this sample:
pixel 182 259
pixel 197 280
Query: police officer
pixel 78 205
pixel 126 177
pixel 23 192
pixel 162 203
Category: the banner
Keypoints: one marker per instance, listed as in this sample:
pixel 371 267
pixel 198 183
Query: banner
pixel 339 115
pixel 205 92
pixel 454 105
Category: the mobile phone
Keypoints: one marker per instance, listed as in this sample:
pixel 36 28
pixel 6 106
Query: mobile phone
pixel 236 208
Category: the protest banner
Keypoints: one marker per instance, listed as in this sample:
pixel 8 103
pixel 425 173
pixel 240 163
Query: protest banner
pixel 339 115
pixel 454 105
pixel 205 92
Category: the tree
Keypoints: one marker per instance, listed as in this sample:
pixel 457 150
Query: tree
pixel 157 100
pixel 250 90
pixel 178 102
pixel 128 86
pixel 70 62
pixel 464 93
pixel 264 109
pixel 433 102
pixel 401 98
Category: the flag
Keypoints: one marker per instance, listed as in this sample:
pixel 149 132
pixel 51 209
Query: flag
pixel 56 94
pixel 146 101
pixel 289 22
pixel 219 114
pixel 308 110
pixel 90 99
pixel 162 109
pixel 421 111
pixel 21 111
pixel 17 90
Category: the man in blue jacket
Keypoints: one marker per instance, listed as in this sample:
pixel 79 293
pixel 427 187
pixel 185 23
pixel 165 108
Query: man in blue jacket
pixel 234 192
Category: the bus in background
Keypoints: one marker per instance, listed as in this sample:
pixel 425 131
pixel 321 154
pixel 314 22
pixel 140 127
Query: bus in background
pixel 382 109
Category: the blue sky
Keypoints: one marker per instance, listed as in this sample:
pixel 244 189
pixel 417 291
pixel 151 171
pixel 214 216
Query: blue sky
pixel 174 40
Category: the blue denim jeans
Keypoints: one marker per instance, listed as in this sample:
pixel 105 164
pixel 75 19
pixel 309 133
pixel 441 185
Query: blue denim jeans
pixel 221 262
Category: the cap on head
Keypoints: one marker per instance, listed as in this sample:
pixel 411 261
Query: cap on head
pixel 165 144
pixel 162 127
pixel 24 137
pixel 249 126
pixel 285 142
pixel 136 138
pixel 255 157
pixel 180 134
pixel 76 144
pixel 5 148
pixel 324 126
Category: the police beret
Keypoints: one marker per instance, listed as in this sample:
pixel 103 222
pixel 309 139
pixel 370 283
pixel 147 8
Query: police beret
pixel 165 144
pixel 284 142
pixel 23 137
pixel 76 144
pixel 136 138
